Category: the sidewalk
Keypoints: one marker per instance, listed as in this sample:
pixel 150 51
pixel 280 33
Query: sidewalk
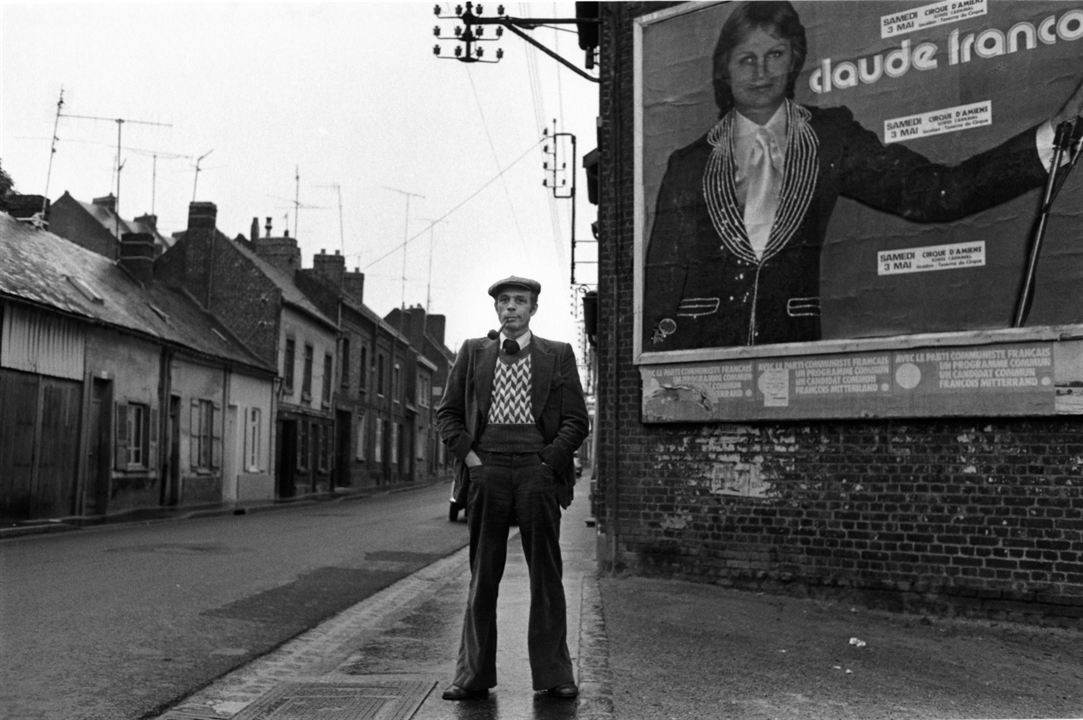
pixel 142 516
pixel 391 655
pixel 654 649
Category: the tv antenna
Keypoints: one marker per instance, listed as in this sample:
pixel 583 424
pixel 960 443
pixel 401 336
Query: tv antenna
pixel 341 232
pixel 296 202
pixel 428 285
pixel 120 163
pixel 52 152
pixel 154 155
pixel 195 182
pixel 406 237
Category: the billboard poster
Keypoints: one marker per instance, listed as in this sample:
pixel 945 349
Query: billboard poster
pixel 887 204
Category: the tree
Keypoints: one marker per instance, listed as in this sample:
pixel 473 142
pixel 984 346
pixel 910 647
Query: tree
pixel 6 183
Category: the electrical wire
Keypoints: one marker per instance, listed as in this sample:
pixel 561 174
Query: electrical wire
pixel 534 78
pixel 554 210
pixel 496 160
pixel 458 206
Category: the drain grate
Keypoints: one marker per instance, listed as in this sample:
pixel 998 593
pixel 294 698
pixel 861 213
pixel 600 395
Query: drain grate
pixel 369 699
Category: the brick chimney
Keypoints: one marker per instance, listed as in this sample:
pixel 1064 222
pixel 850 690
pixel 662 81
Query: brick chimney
pixel 282 252
pixel 137 253
pixel 415 323
pixel 353 285
pixel 24 207
pixel 202 216
pixel 331 269
pixel 435 325
pixel 199 250
pixel 149 220
pixel 109 202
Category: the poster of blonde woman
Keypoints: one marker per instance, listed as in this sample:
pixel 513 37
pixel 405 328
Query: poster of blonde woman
pixel 819 175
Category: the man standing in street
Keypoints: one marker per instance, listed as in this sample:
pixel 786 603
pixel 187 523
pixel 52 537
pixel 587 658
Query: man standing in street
pixel 513 414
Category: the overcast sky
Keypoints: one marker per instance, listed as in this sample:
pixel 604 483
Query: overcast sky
pixel 348 96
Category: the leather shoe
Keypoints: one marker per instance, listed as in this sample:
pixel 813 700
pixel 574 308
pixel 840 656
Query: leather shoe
pixel 457 692
pixel 566 691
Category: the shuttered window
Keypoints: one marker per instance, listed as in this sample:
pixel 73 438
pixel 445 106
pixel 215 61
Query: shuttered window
pixel 306 379
pixel 328 368
pixel 253 440
pixel 361 436
pixel 288 361
pixel 205 447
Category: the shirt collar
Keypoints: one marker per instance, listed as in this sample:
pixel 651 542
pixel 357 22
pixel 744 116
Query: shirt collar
pixel 744 129
pixel 523 340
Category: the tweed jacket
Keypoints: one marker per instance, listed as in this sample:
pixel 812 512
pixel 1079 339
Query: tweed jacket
pixel 556 397
pixel 703 284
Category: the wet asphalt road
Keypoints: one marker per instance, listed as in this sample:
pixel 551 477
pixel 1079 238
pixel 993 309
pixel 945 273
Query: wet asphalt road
pixel 119 621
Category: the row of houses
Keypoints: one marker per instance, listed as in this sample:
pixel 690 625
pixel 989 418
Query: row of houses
pixel 140 372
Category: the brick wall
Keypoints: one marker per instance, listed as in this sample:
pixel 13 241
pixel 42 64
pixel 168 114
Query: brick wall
pixel 981 517
pixel 224 280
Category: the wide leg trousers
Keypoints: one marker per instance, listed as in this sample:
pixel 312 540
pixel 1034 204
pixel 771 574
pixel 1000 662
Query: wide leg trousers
pixel 515 487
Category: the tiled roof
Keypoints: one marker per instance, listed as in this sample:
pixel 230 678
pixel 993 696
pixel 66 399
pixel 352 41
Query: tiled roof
pixel 371 314
pixel 39 267
pixel 117 225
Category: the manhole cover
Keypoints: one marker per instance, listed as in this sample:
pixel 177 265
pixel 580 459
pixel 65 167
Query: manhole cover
pixel 370 699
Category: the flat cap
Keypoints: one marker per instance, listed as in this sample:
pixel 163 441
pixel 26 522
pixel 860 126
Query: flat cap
pixel 515 281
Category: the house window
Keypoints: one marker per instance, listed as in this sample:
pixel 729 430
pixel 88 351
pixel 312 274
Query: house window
pixel 424 390
pixel 396 383
pixel 328 366
pixel 253 440
pixel 306 381
pixel 395 444
pixel 378 447
pixel 205 435
pixel 380 375
pixel 345 365
pixel 136 436
pixel 364 381
pixel 304 445
pixel 360 454
pixel 287 365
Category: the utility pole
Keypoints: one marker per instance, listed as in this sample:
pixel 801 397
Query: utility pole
pixel 471 34
pixel 562 182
